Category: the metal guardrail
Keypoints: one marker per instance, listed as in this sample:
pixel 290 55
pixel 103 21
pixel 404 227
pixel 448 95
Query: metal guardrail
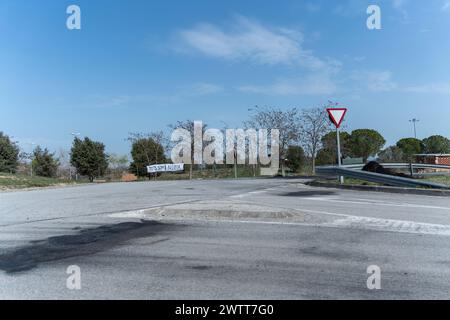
pixel 378 178
pixel 402 166
pixel 409 167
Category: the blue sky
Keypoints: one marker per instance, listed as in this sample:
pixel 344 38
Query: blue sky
pixel 137 66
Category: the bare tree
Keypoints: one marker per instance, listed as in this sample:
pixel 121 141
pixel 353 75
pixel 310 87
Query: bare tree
pixel 117 162
pixel 25 160
pixel 314 124
pixel 162 142
pixel 64 163
pixel 286 121
pixel 189 125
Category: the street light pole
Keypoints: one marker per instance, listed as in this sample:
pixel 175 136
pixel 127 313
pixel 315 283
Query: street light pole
pixel 414 121
pixel 235 165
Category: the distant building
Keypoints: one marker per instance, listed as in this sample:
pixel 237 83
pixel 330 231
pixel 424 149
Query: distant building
pixel 441 159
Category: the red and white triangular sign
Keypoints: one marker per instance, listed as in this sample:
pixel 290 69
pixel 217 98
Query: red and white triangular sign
pixel 337 115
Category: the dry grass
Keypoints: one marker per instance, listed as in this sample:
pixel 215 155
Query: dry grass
pixel 15 181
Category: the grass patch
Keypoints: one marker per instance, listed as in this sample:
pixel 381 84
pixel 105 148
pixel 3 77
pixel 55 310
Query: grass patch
pixel 219 173
pixel 222 172
pixel 351 181
pixel 445 179
pixel 16 181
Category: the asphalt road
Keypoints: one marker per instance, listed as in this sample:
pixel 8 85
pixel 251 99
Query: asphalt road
pixel 246 239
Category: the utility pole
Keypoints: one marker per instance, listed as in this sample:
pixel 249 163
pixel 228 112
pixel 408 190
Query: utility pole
pixel 235 165
pixel 414 121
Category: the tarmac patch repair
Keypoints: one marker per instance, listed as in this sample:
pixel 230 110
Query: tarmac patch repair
pixel 86 242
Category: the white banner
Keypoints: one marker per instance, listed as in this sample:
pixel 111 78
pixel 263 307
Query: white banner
pixel 165 168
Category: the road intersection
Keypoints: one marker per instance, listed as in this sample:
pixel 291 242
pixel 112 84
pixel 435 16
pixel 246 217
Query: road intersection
pixel 222 239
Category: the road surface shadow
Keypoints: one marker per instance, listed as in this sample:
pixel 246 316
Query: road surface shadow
pixel 308 193
pixel 86 242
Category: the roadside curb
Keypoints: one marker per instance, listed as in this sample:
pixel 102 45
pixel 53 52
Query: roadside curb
pixel 387 189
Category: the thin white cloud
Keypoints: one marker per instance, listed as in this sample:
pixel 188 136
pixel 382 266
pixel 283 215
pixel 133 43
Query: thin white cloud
pixel 350 8
pixel 376 81
pixel 317 84
pixel 446 6
pixel 381 81
pixel 178 95
pixel 312 7
pixel 434 88
pixel 399 3
pixel 359 59
pixel 400 6
pixel 106 101
pixel 248 40
pixel 203 88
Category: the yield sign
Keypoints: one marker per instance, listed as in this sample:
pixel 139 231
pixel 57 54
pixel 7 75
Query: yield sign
pixel 337 115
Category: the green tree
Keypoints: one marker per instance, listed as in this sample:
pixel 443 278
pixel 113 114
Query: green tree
pixel 436 144
pixel 393 154
pixel 365 143
pixel 9 154
pixel 410 147
pixel 145 151
pixel 295 158
pixel 44 163
pixel 89 158
pixel 328 153
pixel 326 157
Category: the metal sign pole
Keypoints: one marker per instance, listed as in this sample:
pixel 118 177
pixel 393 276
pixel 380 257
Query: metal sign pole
pixel 341 178
pixel 337 116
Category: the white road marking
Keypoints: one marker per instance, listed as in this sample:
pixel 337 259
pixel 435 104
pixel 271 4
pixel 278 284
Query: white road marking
pixel 391 225
pixel 342 221
pixel 384 225
pixel 374 202
pixel 401 226
pixel 239 195
pixel 248 194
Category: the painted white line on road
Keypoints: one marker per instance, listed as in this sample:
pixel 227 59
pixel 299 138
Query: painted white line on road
pixel 239 196
pixel 361 223
pixel 355 222
pixel 136 214
pixel 343 221
pixel 248 194
pixel 377 203
pixel 392 225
